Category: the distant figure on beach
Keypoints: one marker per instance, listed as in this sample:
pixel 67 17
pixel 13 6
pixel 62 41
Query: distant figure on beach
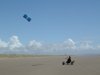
pixel 68 60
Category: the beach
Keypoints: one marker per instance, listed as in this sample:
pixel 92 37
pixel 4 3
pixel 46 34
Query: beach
pixel 50 65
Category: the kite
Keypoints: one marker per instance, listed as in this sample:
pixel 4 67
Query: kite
pixel 26 17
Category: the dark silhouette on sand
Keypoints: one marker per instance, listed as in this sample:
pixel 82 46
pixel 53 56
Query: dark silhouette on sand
pixel 69 61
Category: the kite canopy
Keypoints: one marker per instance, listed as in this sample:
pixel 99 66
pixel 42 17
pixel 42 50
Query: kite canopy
pixel 26 17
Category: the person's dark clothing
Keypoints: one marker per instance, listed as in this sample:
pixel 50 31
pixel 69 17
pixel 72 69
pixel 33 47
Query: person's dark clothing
pixel 68 60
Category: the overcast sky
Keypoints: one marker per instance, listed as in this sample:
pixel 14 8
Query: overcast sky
pixel 57 26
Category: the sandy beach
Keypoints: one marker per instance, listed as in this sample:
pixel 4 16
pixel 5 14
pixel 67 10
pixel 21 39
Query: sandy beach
pixel 50 65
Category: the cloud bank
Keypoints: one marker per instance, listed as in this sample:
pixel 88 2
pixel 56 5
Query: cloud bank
pixel 68 46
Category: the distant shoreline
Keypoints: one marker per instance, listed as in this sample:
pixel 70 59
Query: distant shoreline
pixel 33 55
pixel 24 55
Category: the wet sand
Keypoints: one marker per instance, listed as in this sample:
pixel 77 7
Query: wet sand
pixel 50 65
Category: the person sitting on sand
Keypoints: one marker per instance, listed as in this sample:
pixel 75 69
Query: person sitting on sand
pixel 68 60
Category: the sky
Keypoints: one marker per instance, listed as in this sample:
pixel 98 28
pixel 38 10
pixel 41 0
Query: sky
pixel 57 26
